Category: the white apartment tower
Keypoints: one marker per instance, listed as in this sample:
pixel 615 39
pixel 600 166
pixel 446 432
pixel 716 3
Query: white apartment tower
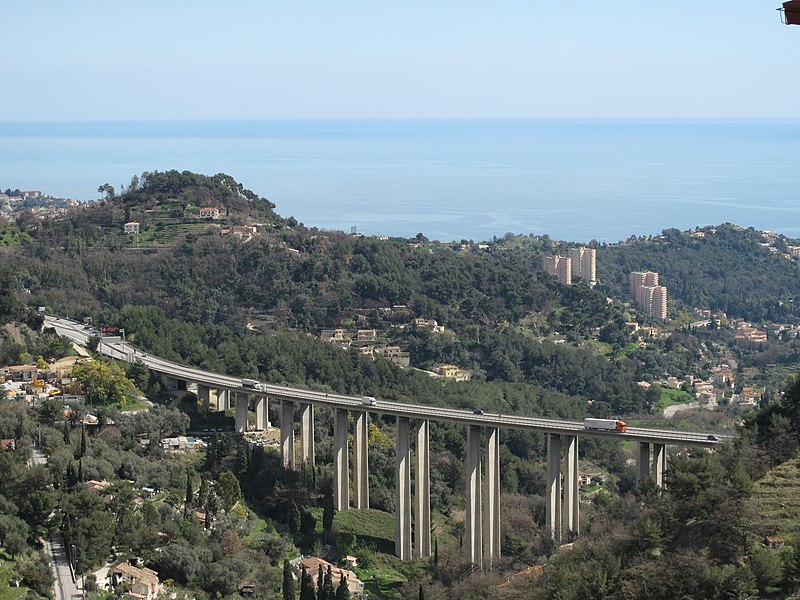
pixel 648 294
pixel 584 264
pixel 560 267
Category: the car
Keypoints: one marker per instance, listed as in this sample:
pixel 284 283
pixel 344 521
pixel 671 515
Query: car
pixel 712 438
pixel 477 411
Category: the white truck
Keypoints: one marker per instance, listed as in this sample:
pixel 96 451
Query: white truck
pixel 605 425
pixel 369 401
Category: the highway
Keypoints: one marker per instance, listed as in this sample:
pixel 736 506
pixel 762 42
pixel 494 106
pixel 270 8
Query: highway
pixel 114 347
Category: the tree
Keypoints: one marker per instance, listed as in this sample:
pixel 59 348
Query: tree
pixel 328 512
pixel 288 581
pixel 421 594
pixel 342 591
pixel 188 501
pixel 228 489
pixel 293 517
pixel 67 439
pixel 104 382
pixel 107 190
pixel 330 593
pixel 83 443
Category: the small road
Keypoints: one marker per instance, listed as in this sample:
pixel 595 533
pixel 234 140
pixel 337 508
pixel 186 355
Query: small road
pixel 65 586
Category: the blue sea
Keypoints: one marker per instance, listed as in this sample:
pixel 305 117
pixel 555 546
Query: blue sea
pixel 574 180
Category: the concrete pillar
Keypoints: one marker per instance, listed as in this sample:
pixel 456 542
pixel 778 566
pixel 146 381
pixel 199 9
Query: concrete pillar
pixel 213 399
pixel 643 461
pixel 491 503
pixel 203 396
pixel 307 433
pixel 402 538
pixel 553 510
pixel 287 434
pixel 473 542
pixel 170 383
pixel 571 511
pixel 422 496
pixel 659 463
pixel 240 417
pixel 341 467
pixel 262 413
pixel 223 400
pixel 360 459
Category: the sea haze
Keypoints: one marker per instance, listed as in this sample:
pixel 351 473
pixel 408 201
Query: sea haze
pixel 571 179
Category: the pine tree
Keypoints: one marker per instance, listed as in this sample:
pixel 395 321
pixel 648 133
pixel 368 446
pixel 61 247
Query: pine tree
pixel 288 581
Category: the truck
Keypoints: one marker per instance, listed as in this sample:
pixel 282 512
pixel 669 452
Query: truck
pixel 251 383
pixel 369 401
pixel 605 425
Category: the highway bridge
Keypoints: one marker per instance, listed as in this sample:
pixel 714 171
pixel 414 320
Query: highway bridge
pixel 482 539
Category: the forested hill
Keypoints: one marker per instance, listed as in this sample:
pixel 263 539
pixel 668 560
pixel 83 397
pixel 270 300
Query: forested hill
pixel 499 312
pixel 744 272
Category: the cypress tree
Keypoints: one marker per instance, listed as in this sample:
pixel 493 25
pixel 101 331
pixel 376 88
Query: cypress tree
pixel 83 442
pixel 342 592
pixel 321 583
pixel 436 550
pixel 303 583
pixel 67 438
pixel 80 471
pixel 293 517
pixel 421 595
pixel 288 581
pixel 330 593
pixel 189 492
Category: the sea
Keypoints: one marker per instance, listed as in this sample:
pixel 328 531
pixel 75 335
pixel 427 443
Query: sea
pixel 574 180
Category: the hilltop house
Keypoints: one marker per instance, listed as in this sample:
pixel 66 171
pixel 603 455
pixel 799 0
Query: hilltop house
pixel 131 227
pixel 209 212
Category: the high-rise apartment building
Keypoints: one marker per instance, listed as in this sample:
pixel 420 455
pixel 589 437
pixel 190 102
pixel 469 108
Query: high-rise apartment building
pixel 560 267
pixel 648 294
pixel 584 264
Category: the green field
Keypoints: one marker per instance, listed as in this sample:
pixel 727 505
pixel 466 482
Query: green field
pixel 671 396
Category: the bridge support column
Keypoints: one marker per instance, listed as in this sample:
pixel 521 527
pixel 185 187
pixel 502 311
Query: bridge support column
pixel 213 399
pixel 659 463
pixel 402 538
pixel 341 467
pixel 553 510
pixel 491 504
pixel 287 434
pixel 223 400
pixel 571 510
pixel 307 433
pixel 203 396
pixel 473 542
pixel 262 413
pixel 360 459
pixel 643 462
pixel 170 383
pixel 240 417
pixel 422 494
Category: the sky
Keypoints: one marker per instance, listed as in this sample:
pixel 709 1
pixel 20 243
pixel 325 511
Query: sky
pixel 243 59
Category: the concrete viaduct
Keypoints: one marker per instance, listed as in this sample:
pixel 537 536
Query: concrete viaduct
pixel 482 535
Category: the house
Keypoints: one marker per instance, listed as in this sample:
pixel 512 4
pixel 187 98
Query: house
pixel 366 335
pixel 182 444
pixel 101 487
pixel 394 354
pixel 209 212
pixel 131 227
pixel 449 371
pixel 312 565
pixel 8 444
pixel 239 231
pixel 142 584
pixel 773 541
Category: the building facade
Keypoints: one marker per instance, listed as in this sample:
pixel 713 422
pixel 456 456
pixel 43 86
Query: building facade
pixel 584 264
pixel 650 296
pixel 560 267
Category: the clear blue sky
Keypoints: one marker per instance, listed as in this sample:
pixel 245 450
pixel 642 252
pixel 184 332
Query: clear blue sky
pixel 243 59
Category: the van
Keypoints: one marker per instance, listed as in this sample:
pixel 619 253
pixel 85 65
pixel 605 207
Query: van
pixel 369 401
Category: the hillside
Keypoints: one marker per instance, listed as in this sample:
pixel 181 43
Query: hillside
pixel 743 272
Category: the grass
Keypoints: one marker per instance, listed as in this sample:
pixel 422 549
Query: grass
pixel 775 502
pixel 369 526
pixel 7 592
pixel 671 396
